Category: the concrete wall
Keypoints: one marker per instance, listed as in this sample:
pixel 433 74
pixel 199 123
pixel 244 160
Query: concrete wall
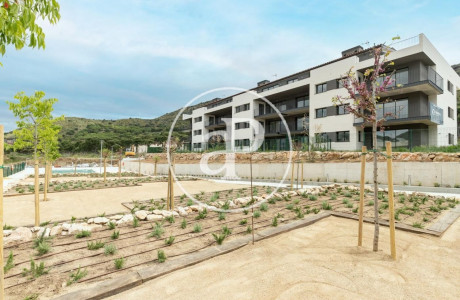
pixel 425 173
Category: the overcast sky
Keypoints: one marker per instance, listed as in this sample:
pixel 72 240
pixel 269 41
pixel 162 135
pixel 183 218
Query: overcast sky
pixel 120 59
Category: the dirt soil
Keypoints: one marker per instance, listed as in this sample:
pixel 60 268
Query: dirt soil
pixel 321 261
pixel 20 210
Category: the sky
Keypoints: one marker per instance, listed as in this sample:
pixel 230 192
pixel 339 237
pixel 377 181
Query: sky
pixel 111 59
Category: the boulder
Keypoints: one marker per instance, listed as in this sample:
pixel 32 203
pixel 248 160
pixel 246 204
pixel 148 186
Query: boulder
pixel 45 231
pixel 20 234
pixel 56 230
pixel 116 217
pixel 182 212
pixel 141 214
pixel 125 219
pixel 7 232
pixel 101 220
pixel 154 217
pixel 90 221
pixel 66 226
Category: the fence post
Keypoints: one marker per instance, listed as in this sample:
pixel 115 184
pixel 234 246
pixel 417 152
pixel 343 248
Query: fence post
pixel 391 200
pixel 361 196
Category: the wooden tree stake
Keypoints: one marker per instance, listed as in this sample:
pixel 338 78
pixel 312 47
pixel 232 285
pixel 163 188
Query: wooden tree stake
pixel 301 174
pixel 292 175
pixel 361 195
pixel 252 199
pixel 37 199
pixel 45 185
pixel 119 168
pixel 2 283
pixel 105 169
pixel 391 200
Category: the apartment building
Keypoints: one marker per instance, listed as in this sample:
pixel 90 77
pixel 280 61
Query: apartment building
pixel 423 102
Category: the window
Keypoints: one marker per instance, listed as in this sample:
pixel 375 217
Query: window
pixel 450 113
pixel 340 83
pixel 360 133
pixel 451 139
pixel 292 80
pixel 197 132
pixel 395 109
pixel 302 101
pixel 282 107
pixel 400 77
pixel 242 143
pixel 301 123
pixel 321 137
pixel 241 108
pixel 198 119
pixel 450 86
pixel 241 125
pixel 321 112
pixel 321 88
pixel 341 109
pixel 270 88
pixel 274 126
pixel 342 136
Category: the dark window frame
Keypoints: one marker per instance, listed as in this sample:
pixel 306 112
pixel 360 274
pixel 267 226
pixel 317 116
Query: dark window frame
pixel 323 111
pixel 342 136
pixel 321 88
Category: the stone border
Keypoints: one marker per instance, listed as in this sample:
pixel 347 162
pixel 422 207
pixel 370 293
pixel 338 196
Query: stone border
pixel 445 221
pixel 119 284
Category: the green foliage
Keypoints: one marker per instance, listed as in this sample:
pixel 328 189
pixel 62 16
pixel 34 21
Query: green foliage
pixel 43 248
pixel 35 270
pixel 202 214
pixel 183 225
pixel 326 206
pixel 119 263
pixel 249 229
pixel 257 214
pixel 170 240
pixel 197 228
pixel 219 238
pixel 275 222
pixel 221 216
pixel 264 207
pixel 243 222
pixel 161 256
pixel 135 222
pixel 75 276
pixel 312 198
pixel 157 231
pixel 95 245
pixel 82 234
pixel 115 234
pixel 9 263
pixel 32 297
pixel 111 225
pixel 170 219
pixel 110 249
pixel 226 230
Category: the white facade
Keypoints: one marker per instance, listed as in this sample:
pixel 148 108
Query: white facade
pixel 425 92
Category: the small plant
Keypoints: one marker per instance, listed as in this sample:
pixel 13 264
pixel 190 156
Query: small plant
pixel 110 249
pixel 264 207
pixel 95 245
pixel 35 270
pixel 326 206
pixel 355 210
pixel 219 238
pixel 197 228
pixel 101 215
pixel 115 235
pixel 32 297
pixel 189 202
pixel 43 248
pixel 315 210
pixel 349 205
pixel 333 197
pixel 161 256
pixel 249 229
pixel 9 263
pixel 169 241
pixel 257 214
pixel 370 203
pixel 170 219
pixel 74 277
pixel 245 211
pixel 226 230
pixel 275 222
pixel 244 222
pixel 157 231
pixel 45 223
pixel 111 225
pixel 119 263
pixel 135 222
pixel 312 198
pixel 83 234
pixel 417 225
pixel 7 227
pixel 436 184
pixel 73 219
pixel 221 216
pixel 183 224
pixel 290 206
pixel 202 214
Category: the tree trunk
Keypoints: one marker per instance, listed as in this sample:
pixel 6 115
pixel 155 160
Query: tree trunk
pixel 376 189
pixel 155 169
pixel 45 184
pixel 119 168
pixel 37 186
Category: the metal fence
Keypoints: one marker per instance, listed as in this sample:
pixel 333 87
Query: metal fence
pixel 13 169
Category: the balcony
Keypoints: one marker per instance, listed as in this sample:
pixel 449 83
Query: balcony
pixel 219 123
pixel 284 108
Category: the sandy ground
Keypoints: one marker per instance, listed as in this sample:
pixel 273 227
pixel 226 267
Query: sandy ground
pixel 20 211
pixel 321 262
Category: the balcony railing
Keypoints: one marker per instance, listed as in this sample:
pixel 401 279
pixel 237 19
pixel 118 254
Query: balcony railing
pixel 282 108
pixel 435 78
pixel 412 41
pixel 214 123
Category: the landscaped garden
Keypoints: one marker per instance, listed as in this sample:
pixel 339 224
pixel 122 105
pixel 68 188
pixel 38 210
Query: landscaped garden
pixel 97 248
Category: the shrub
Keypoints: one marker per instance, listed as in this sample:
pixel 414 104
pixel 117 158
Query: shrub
pixel 170 219
pixel 82 234
pixel 333 197
pixel 75 276
pixel 161 256
pixel 219 238
pixel 355 210
pixel 312 198
pixel 347 194
pixel 370 203
pixel 436 184
pixel 275 222
pixel 315 210
pixel 245 211
pixel 197 228
pixel 169 241
pixel 110 249
pixel 183 224
pixel 111 225
pixel 135 222
pixel 189 202
pixel 243 222
pixel 95 245
pixel 290 206
pixel 249 229
pixel 119 263
pixel 264 207
pixel 221 216
pixel 326 206
pixel 43 248
pixel 115 235
pixel 349 205
pixel 226 230
pixel 157 231
pixel 35 270
pixel 202 214
pixel 257 214
pixel 417 225
pixel 9 263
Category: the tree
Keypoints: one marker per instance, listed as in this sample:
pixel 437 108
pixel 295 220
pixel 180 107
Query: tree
pixel 362 101
pixel 18 24
pixel 105 153
pixel 34 128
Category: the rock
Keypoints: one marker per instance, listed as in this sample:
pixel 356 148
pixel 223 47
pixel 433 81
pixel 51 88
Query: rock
pixel 154 217
pixel 156 212
pixel 116 217
pixel 78 227
pixel 7 232
pixel 182 211
pixel 91 221
pixel 20 234
pixel 45 231
pixel 141 214
pixel 66 226
pixel 35 229
pixel 101 220
pixel 126 218
pixel 56 230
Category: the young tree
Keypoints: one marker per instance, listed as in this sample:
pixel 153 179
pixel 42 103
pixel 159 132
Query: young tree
pixel 362 101
pixel 34 114
pixel 18 22
pixel 105 154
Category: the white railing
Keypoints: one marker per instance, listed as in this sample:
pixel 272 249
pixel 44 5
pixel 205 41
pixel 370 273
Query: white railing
pixel 412 41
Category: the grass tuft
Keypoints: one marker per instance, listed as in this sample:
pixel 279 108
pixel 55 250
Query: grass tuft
pixel 75 276
pixel 95 245
pixel 161 256
pixel 119 263
pixel 110 249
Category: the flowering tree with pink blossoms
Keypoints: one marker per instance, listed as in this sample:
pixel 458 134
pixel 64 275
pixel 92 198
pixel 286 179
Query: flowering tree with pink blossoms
pixel 362 101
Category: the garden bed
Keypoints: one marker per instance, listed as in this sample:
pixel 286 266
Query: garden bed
pixel 138 243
